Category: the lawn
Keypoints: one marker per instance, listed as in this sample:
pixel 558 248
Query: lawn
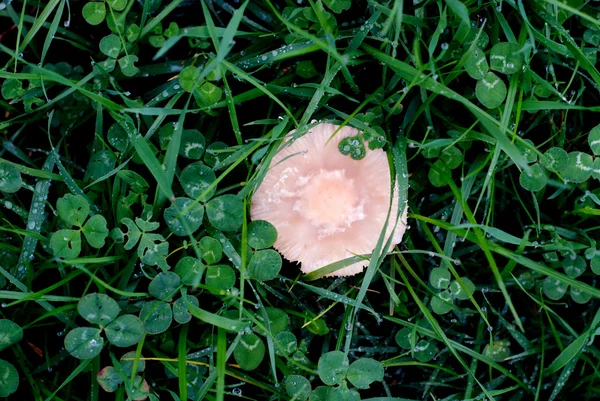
pixel 186 186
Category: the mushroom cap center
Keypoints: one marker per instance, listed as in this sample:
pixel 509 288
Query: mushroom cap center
pixel 330 200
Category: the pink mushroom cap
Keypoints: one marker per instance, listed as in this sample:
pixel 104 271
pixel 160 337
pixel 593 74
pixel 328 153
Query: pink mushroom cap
pixel 327 206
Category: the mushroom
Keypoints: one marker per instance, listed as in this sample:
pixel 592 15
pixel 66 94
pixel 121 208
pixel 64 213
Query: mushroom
pixel 327 206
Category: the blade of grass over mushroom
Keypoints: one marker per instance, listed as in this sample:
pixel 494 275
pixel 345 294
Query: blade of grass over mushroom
pixel 332 267
pixel 412 74
pixel 399 181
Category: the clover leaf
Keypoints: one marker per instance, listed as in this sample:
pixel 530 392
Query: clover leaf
pixel 73 210
pixel 10 178
pixel 94 12
pixel 152 248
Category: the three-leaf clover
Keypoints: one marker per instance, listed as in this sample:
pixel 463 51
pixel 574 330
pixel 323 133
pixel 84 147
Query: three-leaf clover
pixel 103 311
pixel 158 38
pixel 73 210
pixel 158 314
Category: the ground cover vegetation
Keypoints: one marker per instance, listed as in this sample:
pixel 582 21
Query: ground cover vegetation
pixel 135 132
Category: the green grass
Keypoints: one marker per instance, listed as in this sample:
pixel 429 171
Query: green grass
pixel 134 135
